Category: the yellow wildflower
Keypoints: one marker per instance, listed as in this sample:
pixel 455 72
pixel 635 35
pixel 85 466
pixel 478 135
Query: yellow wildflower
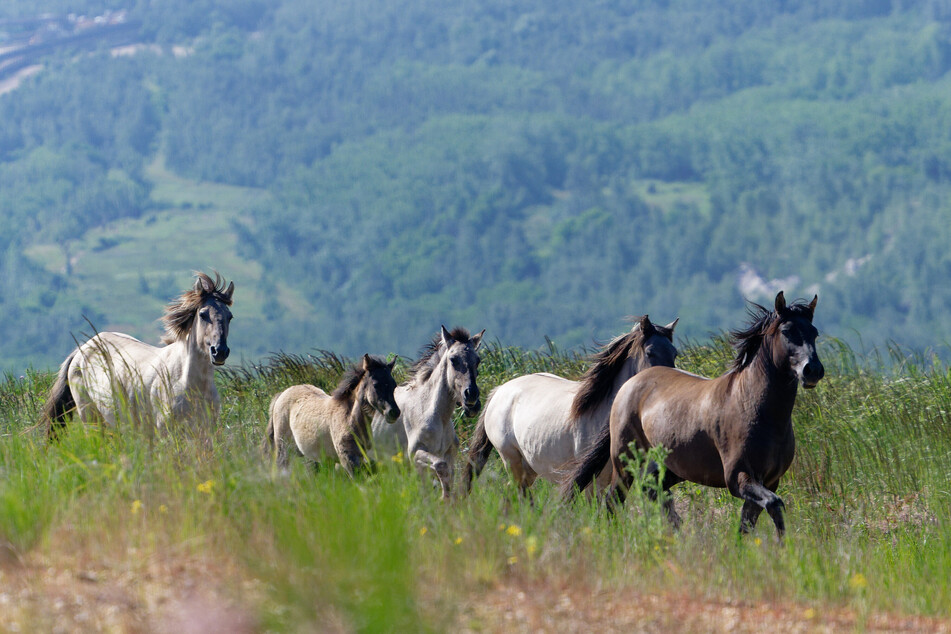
pixel 423 531
pixel 758 541
pixel 458 541
pixel 513 560
pixel 136 506
pixel 513 530
pixel 531 545
pixel 206 486
pixel 809 613
pixel 398 457
pixel 163 509
pixel 858 581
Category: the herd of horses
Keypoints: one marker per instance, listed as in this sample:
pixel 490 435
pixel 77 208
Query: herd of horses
pixel 734 431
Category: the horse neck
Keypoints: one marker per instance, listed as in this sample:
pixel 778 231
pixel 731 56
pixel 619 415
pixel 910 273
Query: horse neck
pixel 356 405
pixel 435 394
pixel 601 411
pixel 197 370
pixel 768 392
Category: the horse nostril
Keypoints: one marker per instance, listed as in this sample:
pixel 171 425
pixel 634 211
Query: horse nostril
pixel 470 394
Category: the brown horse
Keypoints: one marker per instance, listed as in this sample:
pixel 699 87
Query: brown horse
pixel 734 431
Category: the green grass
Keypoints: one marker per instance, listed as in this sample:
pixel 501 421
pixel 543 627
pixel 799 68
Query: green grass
pixel 869 509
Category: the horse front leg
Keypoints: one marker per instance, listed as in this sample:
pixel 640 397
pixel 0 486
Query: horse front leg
pixel 670 479
pixel 442 469
pixel 757 498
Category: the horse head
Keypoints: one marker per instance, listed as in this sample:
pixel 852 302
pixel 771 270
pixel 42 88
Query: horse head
pixel 462 367
pixel 214 319
pixel 655 346
pixel 379 388
pixel 794 341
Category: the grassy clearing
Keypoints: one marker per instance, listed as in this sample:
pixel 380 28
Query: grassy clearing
pixel 869 516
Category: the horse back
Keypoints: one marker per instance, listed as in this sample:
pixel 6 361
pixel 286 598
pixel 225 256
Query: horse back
pixel 678 410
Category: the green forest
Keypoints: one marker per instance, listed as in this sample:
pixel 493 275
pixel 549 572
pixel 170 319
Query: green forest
pixel 367 170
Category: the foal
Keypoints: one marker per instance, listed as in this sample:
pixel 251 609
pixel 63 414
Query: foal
pixel 336 424
pixel 443 379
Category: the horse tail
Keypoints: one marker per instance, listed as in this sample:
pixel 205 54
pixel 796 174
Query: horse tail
pixel 479 451
pixel 586 468
pixel 267 443
pixel 59 402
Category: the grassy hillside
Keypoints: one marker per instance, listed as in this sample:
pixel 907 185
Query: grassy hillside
pixel 114 529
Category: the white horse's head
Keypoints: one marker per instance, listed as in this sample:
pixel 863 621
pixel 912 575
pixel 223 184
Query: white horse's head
pixel 202 314
pixel 462 367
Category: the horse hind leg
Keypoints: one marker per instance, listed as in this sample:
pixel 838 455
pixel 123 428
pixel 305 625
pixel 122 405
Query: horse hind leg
pixel 522 473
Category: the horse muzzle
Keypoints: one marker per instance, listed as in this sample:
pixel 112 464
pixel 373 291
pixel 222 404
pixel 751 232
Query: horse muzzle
pixel 392 414
pixel 811 374
pixel 219 354
pixel 471 409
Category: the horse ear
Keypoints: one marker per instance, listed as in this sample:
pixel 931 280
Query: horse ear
pixel 366 362
pixel 230 291
pixel 672 325
pixel 477 340
pixel 647 328
pixel 391 364
pixel 780 302
pixel 446 337
pixel 812 304
pixel 204 285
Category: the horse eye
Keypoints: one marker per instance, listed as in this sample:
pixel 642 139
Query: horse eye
pixel 204 316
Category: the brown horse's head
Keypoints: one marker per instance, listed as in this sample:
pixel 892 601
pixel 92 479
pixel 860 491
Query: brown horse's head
pixel 794 343
pixel 786 336
pixel 380 386
pixel 655 345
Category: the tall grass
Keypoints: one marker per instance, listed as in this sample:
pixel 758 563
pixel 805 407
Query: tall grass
pixel 868 501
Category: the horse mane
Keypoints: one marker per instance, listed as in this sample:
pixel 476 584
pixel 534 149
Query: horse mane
pixel 748 341
pixel 180 313
pixel 598 380
pixel 352 377
pixel 429 355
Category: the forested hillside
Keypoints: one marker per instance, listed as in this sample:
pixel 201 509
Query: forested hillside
pixel 368 170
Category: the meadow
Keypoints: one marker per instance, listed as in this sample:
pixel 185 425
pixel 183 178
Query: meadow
pixel 117 529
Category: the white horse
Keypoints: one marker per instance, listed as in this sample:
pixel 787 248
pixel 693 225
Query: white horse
pixel 443 379
pixel 114 376
pixel 540 422
pixel 332 425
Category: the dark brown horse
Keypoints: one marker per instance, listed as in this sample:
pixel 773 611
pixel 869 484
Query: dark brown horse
pixel 734 431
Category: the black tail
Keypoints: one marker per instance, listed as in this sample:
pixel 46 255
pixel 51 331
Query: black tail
pixel 60 401
pixel 589 465
pixel 267 444
pixel 479 451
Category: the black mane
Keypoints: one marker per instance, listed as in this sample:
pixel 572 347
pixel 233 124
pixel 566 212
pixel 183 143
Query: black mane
pixel 429 355
pixel 748 341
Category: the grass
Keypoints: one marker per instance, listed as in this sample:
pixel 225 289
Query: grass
pixel 868 500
